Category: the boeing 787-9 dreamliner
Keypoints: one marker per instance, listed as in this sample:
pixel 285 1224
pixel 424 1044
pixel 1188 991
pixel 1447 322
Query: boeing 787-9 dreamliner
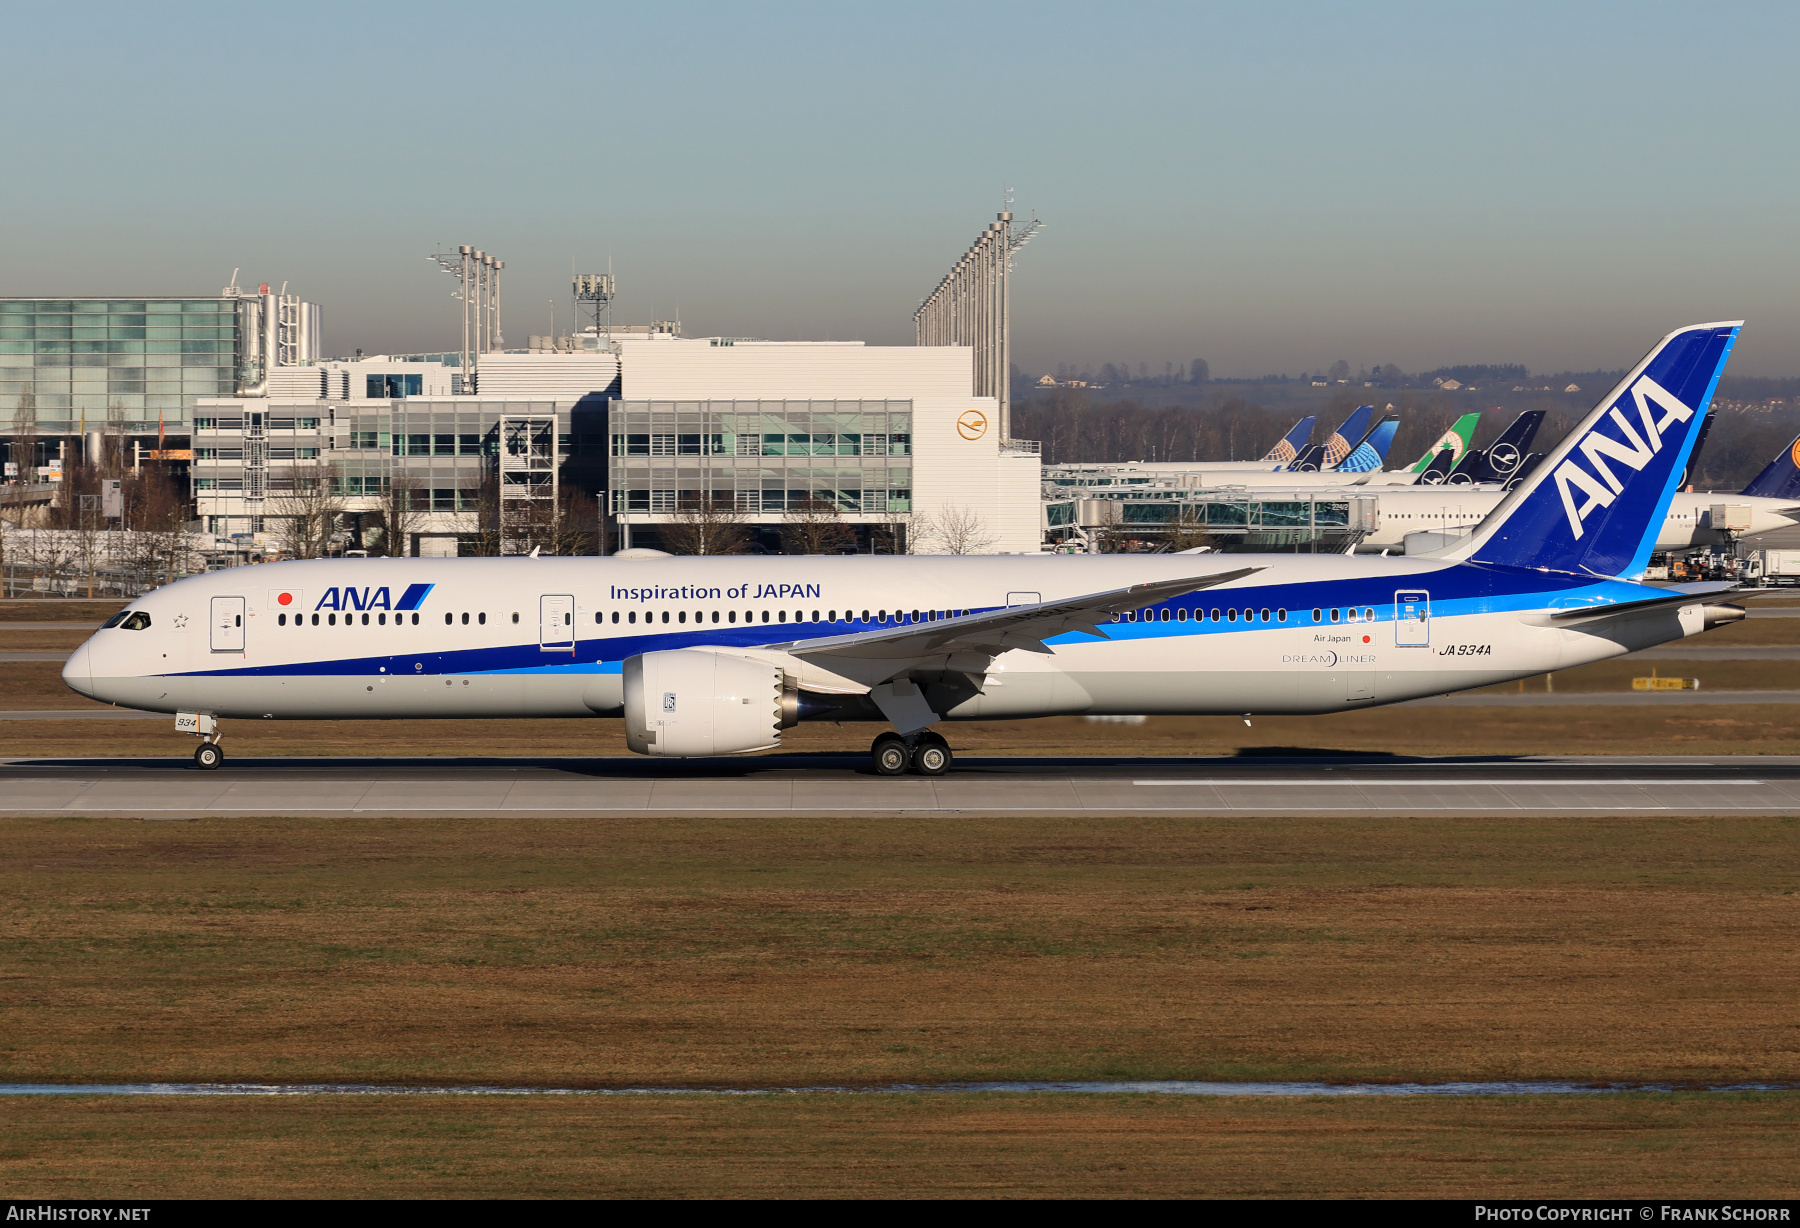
pixel 718 655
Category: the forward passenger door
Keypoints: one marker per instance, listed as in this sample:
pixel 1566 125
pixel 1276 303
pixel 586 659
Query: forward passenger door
pixel 228 624
pixel 556 623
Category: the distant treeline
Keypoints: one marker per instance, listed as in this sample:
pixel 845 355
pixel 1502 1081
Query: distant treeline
pixel 1074 426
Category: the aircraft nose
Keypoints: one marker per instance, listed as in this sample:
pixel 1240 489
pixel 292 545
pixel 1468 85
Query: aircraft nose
pixel 78 672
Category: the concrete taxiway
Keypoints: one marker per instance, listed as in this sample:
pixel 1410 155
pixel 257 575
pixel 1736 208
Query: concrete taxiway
pixel 840 785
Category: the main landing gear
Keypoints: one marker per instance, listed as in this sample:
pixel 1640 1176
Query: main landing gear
pixel 208 756
pixel 928 755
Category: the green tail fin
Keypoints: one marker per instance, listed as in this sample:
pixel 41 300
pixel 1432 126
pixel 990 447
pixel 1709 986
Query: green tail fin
pixel 1456 439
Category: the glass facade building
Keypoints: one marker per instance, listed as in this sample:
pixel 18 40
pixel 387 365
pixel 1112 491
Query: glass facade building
pixel 70 364
pixel 761 457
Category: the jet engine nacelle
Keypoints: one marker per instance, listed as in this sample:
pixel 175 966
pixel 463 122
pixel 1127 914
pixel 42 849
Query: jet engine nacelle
pixel 691 701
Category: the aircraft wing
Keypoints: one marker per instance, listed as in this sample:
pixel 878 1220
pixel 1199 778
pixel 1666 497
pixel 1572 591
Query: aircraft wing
pixel 881 661
pixel 997 631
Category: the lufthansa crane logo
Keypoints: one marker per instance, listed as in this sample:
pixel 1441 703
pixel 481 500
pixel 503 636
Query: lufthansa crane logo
pixel 971 424
pixel 1795 453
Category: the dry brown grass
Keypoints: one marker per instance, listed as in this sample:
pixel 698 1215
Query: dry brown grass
pixel 724 952
pixel 905 1147
pixel 26 610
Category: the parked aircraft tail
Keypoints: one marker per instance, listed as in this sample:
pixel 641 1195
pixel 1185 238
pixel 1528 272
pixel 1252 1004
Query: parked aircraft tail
pixel 1468 470
pixel 1373 450
pixel 1780 479
pixel 1343 441
pixel 1293 443
pixel 1505 455
pixel 1439 469
pixel 1456 440
pixel 1596 503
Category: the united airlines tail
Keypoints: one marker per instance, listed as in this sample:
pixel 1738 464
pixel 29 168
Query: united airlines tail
pixel 1373 450
pixel 1290 445
pixel 1456 440
pixel 1331 453
pixel 1595 504
pixel 1343 441
pixel 1781 478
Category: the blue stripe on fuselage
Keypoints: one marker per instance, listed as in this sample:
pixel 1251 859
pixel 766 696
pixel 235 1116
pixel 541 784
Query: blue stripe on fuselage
pixel 1461 589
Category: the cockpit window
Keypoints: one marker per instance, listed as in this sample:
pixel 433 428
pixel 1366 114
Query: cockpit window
pixel 114 621
pixel 136 621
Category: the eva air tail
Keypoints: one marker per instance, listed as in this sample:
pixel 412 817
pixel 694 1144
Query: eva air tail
pixel 1593 507
pixel 1456 439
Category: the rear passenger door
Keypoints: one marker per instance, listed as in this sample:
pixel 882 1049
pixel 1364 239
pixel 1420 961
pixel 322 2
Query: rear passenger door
pixel 1412 619
pixel 556 623
pixel 228 624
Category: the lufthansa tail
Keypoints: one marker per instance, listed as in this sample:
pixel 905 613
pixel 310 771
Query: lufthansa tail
pixel 1781 479
pixel 1595 504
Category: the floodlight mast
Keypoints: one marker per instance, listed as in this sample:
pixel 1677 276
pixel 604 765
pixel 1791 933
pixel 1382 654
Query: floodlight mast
pixel 478 287
pixel 972 306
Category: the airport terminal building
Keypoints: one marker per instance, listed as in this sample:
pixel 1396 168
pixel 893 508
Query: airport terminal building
pixel 891 438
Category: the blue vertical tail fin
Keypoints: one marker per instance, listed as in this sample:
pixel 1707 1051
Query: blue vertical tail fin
pixel 1438 470
pixel 1781 478
pixel 1343 441
pixel 1373 450
pixel 1501 463
pixel 1595 504
pixel 1293 443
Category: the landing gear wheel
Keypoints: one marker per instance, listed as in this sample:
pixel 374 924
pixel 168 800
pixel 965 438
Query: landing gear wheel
pixel 890 755
pixel 208 757
pixel 931 755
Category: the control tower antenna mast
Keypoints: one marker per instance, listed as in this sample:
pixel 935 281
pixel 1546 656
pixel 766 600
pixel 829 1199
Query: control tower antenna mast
pixel 593 294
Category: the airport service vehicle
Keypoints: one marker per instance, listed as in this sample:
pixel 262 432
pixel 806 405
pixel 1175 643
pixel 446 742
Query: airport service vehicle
pixel 718 655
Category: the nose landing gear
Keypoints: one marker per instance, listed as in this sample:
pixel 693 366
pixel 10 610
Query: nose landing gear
pixel 928 755
pixel 208 756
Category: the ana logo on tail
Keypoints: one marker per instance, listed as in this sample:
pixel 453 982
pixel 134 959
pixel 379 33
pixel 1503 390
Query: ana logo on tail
pixel 1635 452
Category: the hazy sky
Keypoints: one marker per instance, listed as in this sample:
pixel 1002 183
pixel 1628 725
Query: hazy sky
pixel 1270 187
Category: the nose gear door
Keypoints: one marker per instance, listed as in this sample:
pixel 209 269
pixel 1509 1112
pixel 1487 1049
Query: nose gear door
pixel 228 624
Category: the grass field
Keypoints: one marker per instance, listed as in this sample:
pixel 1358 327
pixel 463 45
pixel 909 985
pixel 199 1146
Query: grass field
pixel 906 1146
pixel 747 952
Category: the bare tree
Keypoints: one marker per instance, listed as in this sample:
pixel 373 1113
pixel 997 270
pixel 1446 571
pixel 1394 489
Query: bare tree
pixel 1188 531
pixel 566 525
pixel 404 502
pixel 308 509
pixel 813 526
pixel 894 534
pixel 159 547
pixel 706 524
pixel 955 530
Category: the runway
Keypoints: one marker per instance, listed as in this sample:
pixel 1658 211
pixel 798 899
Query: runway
pixel 826 785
